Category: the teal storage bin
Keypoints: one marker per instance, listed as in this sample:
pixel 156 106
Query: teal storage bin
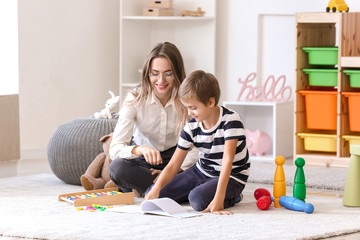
pixel 354 77
pixel 322 55
pixel 322 77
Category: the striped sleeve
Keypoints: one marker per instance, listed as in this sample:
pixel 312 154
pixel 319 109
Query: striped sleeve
pixel 234 128
pixel 185 140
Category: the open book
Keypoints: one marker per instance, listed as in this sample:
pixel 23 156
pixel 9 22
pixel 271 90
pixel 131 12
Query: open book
pixel 166 207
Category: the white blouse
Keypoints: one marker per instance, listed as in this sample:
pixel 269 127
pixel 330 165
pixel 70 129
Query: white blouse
pixel 148 124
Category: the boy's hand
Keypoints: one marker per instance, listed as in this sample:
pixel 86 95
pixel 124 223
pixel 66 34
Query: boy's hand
pixel 151 155
pixel 157 172
pixel 153 194
pixel 217 208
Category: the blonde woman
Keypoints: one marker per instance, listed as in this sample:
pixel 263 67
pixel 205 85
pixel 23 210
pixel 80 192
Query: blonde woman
pixel 150 121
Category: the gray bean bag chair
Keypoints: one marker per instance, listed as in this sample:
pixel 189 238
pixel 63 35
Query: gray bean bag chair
pixel 75 144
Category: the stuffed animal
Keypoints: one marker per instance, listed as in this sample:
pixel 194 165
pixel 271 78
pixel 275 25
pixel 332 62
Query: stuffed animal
pixel 97 175
pixel 110 106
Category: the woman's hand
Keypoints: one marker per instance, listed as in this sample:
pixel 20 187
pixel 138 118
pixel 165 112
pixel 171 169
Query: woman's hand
pixel 157 172
pixel 217 207
pixel 151 155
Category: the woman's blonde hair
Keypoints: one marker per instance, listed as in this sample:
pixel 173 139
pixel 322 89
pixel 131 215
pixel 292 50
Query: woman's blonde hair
pixel 143 92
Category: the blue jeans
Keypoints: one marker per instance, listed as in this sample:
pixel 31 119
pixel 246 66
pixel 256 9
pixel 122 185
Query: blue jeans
pixel 193 186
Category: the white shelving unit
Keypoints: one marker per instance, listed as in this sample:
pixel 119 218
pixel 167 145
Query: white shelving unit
pixel 276 119
pixel 194 36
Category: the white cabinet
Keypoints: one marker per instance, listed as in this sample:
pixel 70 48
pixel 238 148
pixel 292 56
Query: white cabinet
pixel 194 36
pixel 276 119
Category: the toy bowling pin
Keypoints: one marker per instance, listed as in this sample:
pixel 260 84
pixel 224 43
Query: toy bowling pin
pixel 279 187
pixel 296 204
pixel 299 188
pixel 352 186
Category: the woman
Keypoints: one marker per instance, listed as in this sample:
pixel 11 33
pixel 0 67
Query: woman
pixel 149 123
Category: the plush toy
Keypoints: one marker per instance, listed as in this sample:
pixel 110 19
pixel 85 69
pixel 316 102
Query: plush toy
pixel 110 106
pixel 97 175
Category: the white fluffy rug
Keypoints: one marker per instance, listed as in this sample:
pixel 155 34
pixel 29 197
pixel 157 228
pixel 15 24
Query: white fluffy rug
pixel 29 209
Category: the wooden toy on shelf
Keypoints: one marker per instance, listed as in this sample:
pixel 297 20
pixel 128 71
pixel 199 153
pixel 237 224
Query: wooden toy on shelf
pixel 107 196
pixel 197 13
pixel 337 5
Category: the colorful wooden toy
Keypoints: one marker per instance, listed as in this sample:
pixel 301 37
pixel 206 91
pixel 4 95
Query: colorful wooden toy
pixel 296 204
pixel 264 202
pixel 337 5
pixel 279 186
pixel 299 188
pixel 258 193
pixel 263 198
pixel 107 196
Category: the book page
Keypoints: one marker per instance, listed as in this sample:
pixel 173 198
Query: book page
pixel 125 209
pixel 166 207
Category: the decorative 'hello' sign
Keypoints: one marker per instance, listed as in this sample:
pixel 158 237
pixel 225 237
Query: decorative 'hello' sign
pixel 272 90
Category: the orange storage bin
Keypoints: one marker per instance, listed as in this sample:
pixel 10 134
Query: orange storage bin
pixel 354 110
pixel 321 109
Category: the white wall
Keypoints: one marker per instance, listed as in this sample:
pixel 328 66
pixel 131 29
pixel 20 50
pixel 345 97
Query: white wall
pixel 69 54
pixel 68 63
pixel 238 38
pixel 9 73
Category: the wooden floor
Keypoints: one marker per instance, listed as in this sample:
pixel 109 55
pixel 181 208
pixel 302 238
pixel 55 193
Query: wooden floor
pixel 28 167
pixel 15 168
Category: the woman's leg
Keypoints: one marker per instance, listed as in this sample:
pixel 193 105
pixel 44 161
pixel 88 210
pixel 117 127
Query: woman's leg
pixel 202 195
pixel 130 174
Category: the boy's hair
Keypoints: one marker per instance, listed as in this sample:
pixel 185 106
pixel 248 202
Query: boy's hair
pixel 200 85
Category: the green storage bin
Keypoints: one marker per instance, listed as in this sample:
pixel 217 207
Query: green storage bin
pixel 322 77
pixel 354 77
pixel 322 55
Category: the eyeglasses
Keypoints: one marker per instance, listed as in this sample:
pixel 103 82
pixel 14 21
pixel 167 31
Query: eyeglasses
pixel 156 75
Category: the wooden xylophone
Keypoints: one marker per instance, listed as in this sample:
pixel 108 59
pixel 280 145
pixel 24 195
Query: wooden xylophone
pixel 107 196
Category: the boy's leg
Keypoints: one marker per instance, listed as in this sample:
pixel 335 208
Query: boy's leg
pixel 202 195
pixel 179 188
pixel 130 174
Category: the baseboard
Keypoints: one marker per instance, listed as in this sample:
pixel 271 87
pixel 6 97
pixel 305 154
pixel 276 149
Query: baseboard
pixel 33 153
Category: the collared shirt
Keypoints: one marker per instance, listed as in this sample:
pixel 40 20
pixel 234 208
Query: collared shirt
pixel 149 124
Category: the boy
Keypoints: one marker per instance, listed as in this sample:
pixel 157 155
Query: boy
pixel 220 174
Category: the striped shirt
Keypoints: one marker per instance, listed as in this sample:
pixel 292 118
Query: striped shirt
pixel 210 143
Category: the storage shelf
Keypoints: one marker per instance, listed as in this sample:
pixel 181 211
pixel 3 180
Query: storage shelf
pixel 350 62
pixel 325 30
pixel 318 17
pixel 324 160
pixel 167 18
pixel 129 84
pixel 272 118
pixel 194 37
